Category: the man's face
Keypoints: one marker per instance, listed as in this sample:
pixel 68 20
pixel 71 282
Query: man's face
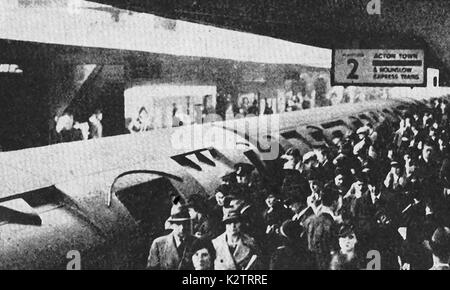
pixel 241 179
pixel 411 169
pixel 295 208
pixel 193 213
pixel 360 185
pixel 181 229
pixel 314 185
pixel 202 260
pixel 233 228
pixel 220 198
pixel 426 152
pixel 407 158
pixel 339 180
pixel 270 201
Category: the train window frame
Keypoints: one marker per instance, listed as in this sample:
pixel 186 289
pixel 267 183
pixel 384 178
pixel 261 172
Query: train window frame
pixel 295 140
pixel 332 124
pixel 363 116
pixel 143 200
pixel 375 116
pixel 324 140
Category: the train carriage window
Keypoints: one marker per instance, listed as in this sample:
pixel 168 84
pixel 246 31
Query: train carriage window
pixel 296 140
pixel 317 134
pixel 333 124
pixel 375 116
pixel 356 123
pixel 291 135
pixel 149 204
pixel 365 117
pixel 337 134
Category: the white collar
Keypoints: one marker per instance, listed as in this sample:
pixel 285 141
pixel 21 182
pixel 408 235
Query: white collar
pixel 326 209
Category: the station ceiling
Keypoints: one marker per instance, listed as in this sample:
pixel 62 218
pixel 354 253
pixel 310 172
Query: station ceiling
pixel 323 23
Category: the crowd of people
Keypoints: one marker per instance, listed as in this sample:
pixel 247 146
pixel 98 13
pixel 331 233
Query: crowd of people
pixel 67 129
pixel 384 188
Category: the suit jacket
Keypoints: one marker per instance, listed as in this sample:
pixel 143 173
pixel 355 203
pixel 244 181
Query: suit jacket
pixel 164 254
pixel 366 213
pixel 239 259
pixel 292 256
pixel 322 238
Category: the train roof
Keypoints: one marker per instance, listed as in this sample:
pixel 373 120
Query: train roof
pixel 31 169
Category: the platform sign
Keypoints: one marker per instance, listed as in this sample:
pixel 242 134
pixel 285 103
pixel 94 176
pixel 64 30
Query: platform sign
pixel 378 67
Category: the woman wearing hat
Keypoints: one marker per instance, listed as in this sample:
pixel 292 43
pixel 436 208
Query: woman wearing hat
pixel 171 252
pixel 346 258
pixel 235 250
pixel 203 254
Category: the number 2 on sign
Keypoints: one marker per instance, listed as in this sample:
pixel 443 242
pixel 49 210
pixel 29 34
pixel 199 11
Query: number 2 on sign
pixel 352 75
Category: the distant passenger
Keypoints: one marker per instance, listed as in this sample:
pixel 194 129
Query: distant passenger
pixel 65 130
pixel 95 124
pixel 142 123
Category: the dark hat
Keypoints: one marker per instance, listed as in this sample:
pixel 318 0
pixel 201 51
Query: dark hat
pixel 345 230
pixel 341 171
pixel 440 241
pixel 291 229
pixel 243 168
pixel 179 213
pixel 231 215
pixel 204 243
pixel 229 177
pixel 361 176
pixel 313 175
pixel 197 202
pixel 294 152
pixel 224 189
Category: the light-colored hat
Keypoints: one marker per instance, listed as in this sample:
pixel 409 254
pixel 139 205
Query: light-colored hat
pixel 309 155
pixel 231 214
pixel 363 130
pixel 179 213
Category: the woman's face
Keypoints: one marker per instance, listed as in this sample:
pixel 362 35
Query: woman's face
pixel 348 243
pixel 202 260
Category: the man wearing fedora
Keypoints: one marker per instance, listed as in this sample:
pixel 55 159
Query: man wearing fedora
pixel 440 247
pixel 172 251
pixel 235 250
